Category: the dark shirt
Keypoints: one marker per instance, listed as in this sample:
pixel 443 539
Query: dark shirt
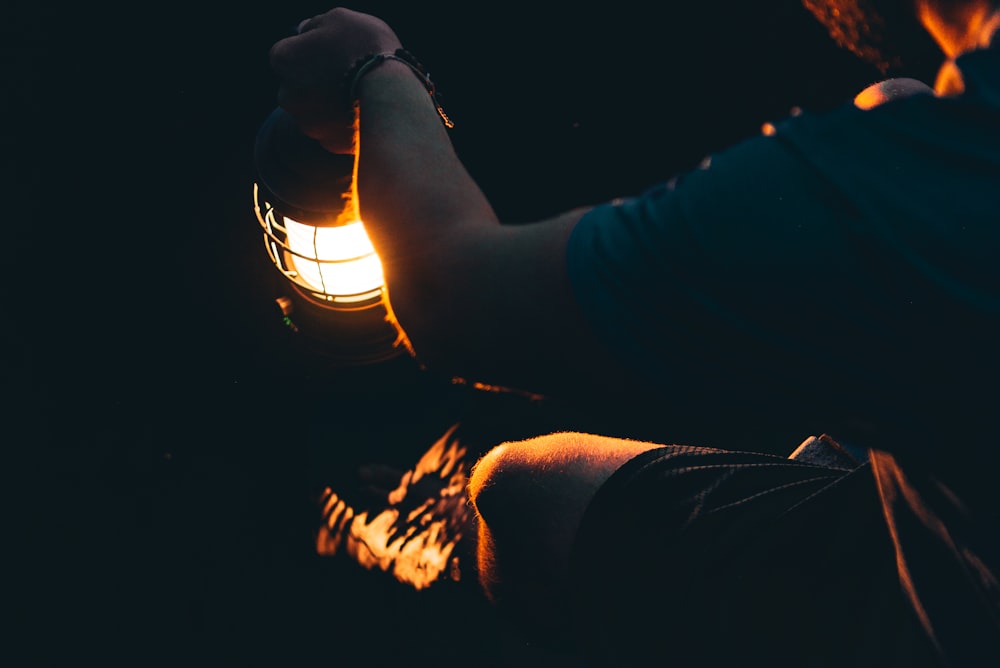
pixel 843 269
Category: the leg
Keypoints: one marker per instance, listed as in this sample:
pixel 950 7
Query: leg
pixel 723 555
pixel 529 497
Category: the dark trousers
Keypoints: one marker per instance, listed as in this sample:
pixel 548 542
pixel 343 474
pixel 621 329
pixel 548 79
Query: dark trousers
pixel 704 557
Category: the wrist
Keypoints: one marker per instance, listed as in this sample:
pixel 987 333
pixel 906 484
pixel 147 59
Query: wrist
pixel 366 64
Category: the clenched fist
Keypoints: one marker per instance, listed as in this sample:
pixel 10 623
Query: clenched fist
pixel 313 66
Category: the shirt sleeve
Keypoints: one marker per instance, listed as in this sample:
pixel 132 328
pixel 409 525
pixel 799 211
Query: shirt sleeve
pixel 726 284
pixel 789 277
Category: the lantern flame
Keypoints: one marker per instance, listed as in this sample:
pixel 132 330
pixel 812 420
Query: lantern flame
pixel 414 539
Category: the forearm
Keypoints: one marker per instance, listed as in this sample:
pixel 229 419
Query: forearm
pixel 414 192
pixel 422 209
pixel 460 282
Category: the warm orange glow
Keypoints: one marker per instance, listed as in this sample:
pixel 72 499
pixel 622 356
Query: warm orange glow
pixel 499 389
pixel 847 22
pixel 414 539
pixel 345 265
pixel 972 27
pixel 337 263
pixel 960 29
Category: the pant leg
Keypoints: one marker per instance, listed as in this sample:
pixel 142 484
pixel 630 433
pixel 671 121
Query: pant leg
pixel 704 557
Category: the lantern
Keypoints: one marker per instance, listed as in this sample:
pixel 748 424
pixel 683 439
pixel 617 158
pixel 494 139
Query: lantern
pixel 332 277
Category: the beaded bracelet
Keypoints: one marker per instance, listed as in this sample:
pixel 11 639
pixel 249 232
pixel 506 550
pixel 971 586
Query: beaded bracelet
pixel 371 61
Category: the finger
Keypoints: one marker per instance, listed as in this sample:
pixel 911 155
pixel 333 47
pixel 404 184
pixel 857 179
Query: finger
pixel 316 118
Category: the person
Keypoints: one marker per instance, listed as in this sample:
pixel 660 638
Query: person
pixel 839 269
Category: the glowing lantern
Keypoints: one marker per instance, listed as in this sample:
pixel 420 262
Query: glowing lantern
pixel 303 198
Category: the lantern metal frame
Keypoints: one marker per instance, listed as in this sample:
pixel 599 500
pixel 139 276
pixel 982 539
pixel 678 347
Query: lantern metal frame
pixel 280 252
pixel 300 181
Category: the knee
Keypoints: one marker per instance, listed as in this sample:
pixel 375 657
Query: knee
pixel 520 554
pixel 502 481
pixel 530 497
pixel 520 492
pixel 493 483
pixel 545 482
pixel 487 474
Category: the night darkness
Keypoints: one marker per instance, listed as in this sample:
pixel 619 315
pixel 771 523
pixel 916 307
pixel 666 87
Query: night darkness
pixel 170 435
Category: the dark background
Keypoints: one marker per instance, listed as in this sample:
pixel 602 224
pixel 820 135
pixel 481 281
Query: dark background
pixel 168 436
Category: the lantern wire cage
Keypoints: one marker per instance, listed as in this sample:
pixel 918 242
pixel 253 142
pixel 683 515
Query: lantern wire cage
pixel 335 265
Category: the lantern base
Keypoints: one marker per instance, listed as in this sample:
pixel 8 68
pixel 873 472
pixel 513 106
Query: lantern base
pixel 343 337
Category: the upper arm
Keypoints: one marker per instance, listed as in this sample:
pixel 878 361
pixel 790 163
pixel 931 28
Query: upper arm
pixel 716 287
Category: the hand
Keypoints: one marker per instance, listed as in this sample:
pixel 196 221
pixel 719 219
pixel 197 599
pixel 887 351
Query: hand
pixel 312 66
